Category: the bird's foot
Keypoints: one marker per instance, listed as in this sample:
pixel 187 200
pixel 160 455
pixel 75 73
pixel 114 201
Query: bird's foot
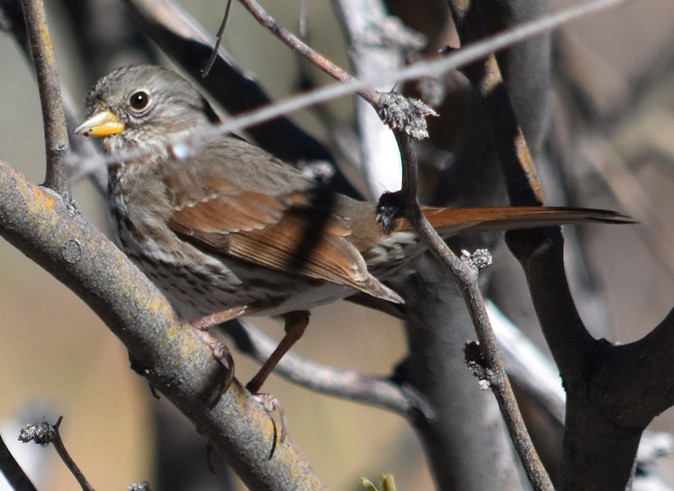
pixel 271 404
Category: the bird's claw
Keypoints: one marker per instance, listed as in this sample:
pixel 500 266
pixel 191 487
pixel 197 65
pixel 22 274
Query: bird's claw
pixel 221 354
pixel 270 404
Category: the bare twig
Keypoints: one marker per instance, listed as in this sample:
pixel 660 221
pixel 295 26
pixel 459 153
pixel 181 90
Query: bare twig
pixel 12 471
pixel 300 47
pixel 372 96
pixel 44 434
pixel 218 40
pixel 56 133
pixel 466 276
pixel 67 459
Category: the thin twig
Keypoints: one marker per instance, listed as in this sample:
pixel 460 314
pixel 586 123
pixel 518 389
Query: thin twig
pixel 218 40
pixel 300 47
pixel 56 133
pixel 524 188
pixel 67 459
pixel 466 276
pixel 434 68
pixel 44 434
pixel 377 100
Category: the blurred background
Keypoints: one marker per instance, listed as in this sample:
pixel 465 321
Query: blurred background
pixel 57 358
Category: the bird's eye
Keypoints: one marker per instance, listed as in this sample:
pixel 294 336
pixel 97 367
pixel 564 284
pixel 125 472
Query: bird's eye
pixel 139 100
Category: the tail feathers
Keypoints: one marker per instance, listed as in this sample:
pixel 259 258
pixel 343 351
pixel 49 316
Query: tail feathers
pixel 462 221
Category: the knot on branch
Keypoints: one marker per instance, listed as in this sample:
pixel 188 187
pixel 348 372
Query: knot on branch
pixel 139 486
pixel 405 114
pixel 477 364
pixel 389 209
pixel 479 259
pixel 320 171
pixel 42 433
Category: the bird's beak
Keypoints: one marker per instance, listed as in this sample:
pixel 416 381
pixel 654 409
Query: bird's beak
pixel 101 124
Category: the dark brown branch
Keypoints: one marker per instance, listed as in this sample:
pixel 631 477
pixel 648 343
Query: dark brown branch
pixel 53 117
pixel 594 447
pixel 613 392
pixel 166 350
pixel 602 430
pixel 524 187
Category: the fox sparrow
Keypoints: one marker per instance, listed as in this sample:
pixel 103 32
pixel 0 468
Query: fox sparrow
pixel 230 230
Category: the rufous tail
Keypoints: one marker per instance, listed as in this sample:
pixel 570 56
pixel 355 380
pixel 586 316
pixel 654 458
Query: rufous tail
pixel 462 221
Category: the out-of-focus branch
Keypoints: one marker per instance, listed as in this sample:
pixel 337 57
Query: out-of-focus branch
pixel 53 117
pixel 83 147
pixel 165 349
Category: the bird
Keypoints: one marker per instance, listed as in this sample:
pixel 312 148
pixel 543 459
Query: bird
pixel 227 230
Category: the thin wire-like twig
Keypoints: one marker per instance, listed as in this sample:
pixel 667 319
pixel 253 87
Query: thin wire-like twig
pixel 433 68
pixel 53 116
pixel 218 40
pixel 68 460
